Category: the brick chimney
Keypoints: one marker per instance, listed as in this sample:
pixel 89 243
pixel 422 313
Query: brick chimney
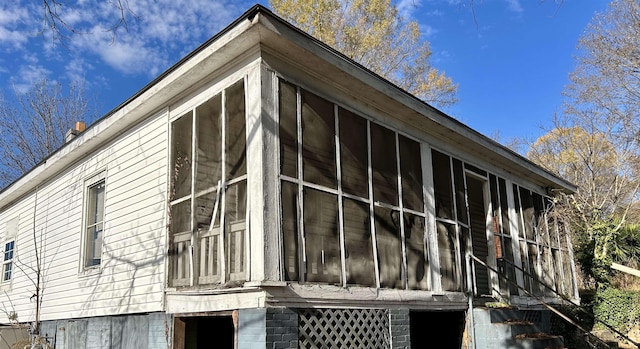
pixel 73 132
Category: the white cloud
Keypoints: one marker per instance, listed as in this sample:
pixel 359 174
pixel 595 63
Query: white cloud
pixel 427 31
pixel 408 7
pixel 14 23
pixel 76 69
pixel 434 13
pixel 27 76
pixel 157 32
pixel 514 6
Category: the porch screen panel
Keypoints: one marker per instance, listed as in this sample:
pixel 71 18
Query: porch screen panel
pixel 353 153
pixel 449 268
pixel 446 224
pixel 180 190
pixel 235 214
pixel 288 130
pixel 208 159
pixel 236 140
pixel 460 196
pixel 209 146
pixel 236 191
pixel 322 238
pixel 522 244
pixel 384 165
pixel 417 263
pixel 318 141
pixel 289 230
pixel 208 239
pixel 359 245
pixel 387 223
pixel 442 185
pixel 507 244
pixel 411 173
pixel 181 131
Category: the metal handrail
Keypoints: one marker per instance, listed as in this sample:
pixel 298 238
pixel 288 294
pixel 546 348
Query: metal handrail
pixel 554 310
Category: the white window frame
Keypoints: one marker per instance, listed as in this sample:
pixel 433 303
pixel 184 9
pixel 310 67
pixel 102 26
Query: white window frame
pixel 8 263
pixel 90 183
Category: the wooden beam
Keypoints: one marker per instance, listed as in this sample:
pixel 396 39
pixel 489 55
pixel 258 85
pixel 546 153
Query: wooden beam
pixel 625 269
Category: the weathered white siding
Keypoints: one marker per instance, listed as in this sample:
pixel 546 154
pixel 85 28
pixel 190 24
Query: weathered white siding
pixel 131 275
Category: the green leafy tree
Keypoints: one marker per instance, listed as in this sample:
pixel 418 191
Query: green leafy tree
pixel 374 34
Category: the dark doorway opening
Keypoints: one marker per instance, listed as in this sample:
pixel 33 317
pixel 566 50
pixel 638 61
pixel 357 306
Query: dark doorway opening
pixel 204 332
pixel 437 329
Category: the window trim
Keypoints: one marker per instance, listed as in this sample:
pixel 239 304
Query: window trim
pixel 8 261
pixel 91 182
pixel 11 234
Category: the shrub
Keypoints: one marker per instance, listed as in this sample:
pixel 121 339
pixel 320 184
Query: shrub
pixel 619 309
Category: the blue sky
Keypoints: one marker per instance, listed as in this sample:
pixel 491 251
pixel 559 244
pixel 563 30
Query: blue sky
pixel 510 58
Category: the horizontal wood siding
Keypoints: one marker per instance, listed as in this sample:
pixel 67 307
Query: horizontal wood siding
pixel 131 275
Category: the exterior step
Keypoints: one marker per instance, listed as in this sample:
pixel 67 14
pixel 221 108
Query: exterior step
pixel 508 328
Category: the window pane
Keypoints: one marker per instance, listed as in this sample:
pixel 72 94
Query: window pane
pixel 209 153
pixel 235 216
pixel 290 230
pixel 448 260
pixel 389 244
pixel 288 130
pixel 411 171
pixel 318 141
pixel 236 138
pixel 8 251
pixel 384 165
pixel 322 237
pixel 353 154
pixel 95 203
pixel 94 245
pixel 359 254
pixel 442 185
pixel 181 157
pixel 6 274
pixel 417 262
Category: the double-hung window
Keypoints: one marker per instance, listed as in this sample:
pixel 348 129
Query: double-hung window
pixel 7 261
pixel 94 220
pixel 9 250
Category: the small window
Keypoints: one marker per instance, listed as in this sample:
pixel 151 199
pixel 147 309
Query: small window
pixel 94 222
pixel 9 250
pixel 7 261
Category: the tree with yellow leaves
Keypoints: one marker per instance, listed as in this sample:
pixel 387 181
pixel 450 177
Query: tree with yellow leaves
pixel 374 34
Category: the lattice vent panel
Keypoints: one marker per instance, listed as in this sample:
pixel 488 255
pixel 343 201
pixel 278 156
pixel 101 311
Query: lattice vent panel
pixel 344 328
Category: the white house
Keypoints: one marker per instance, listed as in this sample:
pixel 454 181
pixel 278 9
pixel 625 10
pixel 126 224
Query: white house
pixel 268 192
